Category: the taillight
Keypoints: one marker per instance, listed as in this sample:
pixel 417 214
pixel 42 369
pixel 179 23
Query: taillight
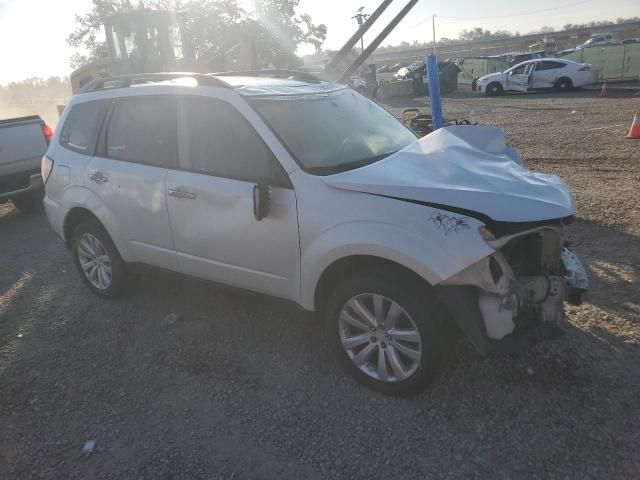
pixel 48 132
pixel 46 167
pixel 586 68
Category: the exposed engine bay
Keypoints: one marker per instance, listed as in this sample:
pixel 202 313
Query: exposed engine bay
pixel 524 284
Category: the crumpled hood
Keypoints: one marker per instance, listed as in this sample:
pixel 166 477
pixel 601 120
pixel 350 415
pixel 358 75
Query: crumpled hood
pixel 465 167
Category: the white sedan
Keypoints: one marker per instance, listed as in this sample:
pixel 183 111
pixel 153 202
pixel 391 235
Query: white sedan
pixel 562 75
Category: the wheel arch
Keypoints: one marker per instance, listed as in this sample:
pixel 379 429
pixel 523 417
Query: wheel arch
pixel 75 217
pixel 356 263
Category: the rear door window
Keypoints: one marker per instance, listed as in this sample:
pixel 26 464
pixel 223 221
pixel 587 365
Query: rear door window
pixel 82 125
pixel 143 130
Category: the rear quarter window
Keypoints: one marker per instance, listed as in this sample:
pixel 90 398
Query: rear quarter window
pixel 551 65
pixel 81 127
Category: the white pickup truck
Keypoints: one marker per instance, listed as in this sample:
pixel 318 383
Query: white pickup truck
pixel 23 143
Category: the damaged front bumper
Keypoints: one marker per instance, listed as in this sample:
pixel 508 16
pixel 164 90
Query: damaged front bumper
pixel 515 297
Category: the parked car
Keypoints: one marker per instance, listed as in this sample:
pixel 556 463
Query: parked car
pixel 23 142
pixel 384 69
pixel 562 75
pixel 515 58
pixel 409 71
pixel 308 191
pixel 599 40
pixel 567 51
pixel 629 41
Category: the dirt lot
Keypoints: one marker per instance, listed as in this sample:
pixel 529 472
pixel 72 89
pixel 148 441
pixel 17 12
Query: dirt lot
pixel 241 387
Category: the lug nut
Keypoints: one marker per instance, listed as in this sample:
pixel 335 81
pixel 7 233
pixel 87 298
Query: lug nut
pixel 384 345
pixel 373 329
pixel 373 339
pixel 389 337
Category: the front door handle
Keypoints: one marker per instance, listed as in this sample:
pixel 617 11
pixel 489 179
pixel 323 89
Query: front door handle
pixel 98 177
pixel 181 192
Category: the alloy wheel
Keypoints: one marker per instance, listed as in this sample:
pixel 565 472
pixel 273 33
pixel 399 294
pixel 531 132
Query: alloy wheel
pixel 380 337
pixel 94 261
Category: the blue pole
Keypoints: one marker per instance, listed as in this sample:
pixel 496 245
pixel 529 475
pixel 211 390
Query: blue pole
pixel 434 91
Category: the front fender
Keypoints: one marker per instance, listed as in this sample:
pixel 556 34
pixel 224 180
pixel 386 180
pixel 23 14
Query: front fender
pixel 431 252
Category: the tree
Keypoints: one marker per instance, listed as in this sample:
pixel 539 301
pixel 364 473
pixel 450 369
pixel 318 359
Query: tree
pixel 88 27
pixel 599 23
pixel 478 33
pixel 35 89
pixel 315 34
pixel 213 26
pixel 279 31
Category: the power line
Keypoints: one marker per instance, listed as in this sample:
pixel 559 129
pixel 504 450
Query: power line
pixel 505 16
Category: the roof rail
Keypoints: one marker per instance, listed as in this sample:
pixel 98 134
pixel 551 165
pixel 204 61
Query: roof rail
pixel 125 81
pixel 273 73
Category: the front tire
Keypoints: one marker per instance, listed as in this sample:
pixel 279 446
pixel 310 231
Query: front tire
pixel 494 89
pixel 386 330
pixel 98 261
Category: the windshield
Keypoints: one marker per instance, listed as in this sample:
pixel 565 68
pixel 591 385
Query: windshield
pixel 334 132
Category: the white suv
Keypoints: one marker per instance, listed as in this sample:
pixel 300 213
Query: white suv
pixel 308 191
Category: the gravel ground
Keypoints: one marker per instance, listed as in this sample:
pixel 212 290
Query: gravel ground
pixel 240 386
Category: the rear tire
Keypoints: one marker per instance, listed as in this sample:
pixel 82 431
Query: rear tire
pixel 494 89
pixel 564 84
pixel 28 203
pixel 98 261
pixel 399 358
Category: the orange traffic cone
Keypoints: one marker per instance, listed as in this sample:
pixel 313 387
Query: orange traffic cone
pixel 634 131
pixel 603 90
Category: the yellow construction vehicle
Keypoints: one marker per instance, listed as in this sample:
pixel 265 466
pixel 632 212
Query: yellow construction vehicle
pixel 149 41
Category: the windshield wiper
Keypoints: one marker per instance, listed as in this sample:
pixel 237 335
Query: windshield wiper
pixel 344 167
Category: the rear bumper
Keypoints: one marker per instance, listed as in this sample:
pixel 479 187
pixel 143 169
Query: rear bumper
pixel 34 185
pixel 56 214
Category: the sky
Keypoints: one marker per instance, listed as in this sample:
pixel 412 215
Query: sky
pixel 33 32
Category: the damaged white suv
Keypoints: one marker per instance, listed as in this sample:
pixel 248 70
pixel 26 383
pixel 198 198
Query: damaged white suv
pixel 308 191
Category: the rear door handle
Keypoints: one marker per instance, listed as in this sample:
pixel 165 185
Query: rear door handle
pixel 181 192
pixel 98 177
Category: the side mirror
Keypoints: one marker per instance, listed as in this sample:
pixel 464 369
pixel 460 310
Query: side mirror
pixel 260 201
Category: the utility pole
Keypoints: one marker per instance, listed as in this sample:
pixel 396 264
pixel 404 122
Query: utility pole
pixel 360 18
pixel 433 20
